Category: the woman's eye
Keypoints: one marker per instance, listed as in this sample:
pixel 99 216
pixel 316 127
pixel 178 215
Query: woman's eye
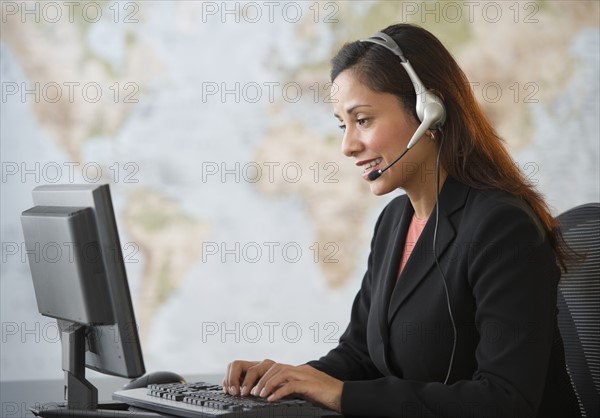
pixel 342 127
pixel 362 121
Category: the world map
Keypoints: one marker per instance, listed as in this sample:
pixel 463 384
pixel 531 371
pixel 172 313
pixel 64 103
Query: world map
pixel 244 231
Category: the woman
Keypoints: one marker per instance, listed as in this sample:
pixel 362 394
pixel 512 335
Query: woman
pixel 468 329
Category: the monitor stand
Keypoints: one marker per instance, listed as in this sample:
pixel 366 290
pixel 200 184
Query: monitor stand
pixel 80 395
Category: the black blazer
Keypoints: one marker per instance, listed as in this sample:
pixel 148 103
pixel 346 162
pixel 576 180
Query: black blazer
pixel 502 278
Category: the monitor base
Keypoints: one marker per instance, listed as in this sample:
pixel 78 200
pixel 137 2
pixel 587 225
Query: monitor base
pixel 104 410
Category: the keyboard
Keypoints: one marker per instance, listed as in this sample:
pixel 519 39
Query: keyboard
pixel 206 400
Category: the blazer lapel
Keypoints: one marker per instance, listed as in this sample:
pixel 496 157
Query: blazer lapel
pixel 387 283
pixel 392 262
pixel 452 197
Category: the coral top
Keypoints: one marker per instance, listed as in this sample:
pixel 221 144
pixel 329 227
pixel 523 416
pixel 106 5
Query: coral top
pixel 414 232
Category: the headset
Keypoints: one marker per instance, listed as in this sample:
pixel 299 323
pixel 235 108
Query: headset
pixel 430 108
pixel 432 115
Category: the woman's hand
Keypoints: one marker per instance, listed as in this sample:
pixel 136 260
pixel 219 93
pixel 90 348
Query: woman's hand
pixel 241 376
pixel 274 381
pixel 281 380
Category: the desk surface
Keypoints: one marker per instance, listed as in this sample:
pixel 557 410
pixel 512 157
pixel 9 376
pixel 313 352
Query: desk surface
pixel 16 397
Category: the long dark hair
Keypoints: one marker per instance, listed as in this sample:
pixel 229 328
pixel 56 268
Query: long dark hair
pixel 473 153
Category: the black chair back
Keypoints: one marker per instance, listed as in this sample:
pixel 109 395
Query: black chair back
pixel 579 305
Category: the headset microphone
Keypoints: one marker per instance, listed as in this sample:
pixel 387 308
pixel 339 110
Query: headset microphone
pixel 430 108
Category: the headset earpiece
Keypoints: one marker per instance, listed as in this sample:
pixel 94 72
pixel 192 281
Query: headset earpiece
pixel 432 114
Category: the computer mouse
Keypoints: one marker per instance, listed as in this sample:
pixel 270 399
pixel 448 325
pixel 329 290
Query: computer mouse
pixel 154 378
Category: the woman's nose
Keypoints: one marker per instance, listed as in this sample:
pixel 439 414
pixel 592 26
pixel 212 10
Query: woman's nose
pixel 351 145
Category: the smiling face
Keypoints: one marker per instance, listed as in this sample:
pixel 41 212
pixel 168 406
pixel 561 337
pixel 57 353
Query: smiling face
pixel 377 128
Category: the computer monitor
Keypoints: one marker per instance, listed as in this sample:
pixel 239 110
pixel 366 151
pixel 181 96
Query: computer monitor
pixel 83 284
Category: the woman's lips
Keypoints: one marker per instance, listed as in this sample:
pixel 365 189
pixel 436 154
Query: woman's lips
pixel 369 165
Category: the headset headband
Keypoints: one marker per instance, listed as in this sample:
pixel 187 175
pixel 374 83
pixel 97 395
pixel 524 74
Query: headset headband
pixel 424 96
